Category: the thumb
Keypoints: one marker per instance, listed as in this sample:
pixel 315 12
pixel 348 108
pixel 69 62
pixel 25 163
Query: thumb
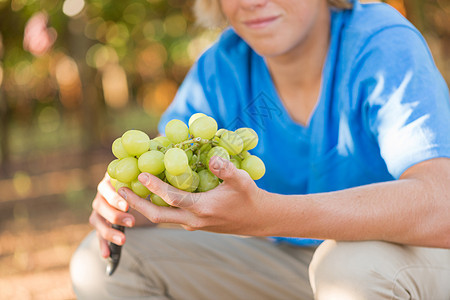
pixel 225 169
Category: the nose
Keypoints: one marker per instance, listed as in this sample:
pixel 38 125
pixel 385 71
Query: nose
pixel 253 4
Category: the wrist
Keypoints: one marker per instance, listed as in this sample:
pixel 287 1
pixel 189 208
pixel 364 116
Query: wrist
pixel 285 215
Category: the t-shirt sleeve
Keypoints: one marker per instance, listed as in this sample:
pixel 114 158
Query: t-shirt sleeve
pixel 405 99
pixel 190 98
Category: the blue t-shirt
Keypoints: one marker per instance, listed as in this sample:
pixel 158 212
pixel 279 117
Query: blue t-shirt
pixel 383 105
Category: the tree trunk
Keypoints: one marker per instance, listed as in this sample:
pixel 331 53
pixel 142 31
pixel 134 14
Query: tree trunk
pixel 90 113
pixel 4 134
pixel 415 13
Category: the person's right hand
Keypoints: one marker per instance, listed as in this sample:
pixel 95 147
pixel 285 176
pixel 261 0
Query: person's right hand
pixel 110 208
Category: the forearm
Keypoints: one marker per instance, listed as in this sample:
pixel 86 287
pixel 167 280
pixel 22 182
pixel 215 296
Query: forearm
pixel 412 210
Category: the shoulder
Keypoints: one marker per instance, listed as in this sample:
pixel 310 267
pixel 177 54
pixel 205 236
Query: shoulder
pixel 374 38
pixel 371 18
pixel 378 25
pixel 378 35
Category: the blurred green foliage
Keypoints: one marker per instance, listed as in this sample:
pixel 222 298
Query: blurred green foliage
pixel 110 59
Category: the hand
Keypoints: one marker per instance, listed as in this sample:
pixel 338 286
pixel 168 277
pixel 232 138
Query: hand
pixel 109 208
pixel 235 206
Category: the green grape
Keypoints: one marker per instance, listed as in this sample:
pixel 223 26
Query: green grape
pixel 193 159
pixel 176 131
pixel 245 154
pixel 220 132
pixel 139 189
pixel 205 148
pixel 254 166
pixel 249 136
pixel 187 181
pixel 113 182
pixel 135 142
pixel 195 182
pixel 195 117
pixel 112 168
pixel 152 162
pixel 164 141
pixel 204 158
pixel 200 168
pixel 189 154
pixel 236 161
pixel 232 142
pixel 118 150
pixel 154 144
pixel 157 200
pixel 127 169
pixel 120 184
pixel 216 151
pixel 176 161
pixel 203 127
pixel 208 181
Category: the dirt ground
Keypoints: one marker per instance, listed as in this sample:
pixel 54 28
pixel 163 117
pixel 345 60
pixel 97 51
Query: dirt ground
pixel 40 231
pixel 34 262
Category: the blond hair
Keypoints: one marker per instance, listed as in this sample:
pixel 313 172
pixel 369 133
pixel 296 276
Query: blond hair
pixel 209 14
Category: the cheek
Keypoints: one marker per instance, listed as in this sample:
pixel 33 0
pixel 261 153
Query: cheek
pixel 228 8
pixel 302 13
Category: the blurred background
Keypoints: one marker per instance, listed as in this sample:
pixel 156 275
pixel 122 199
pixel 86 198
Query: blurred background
pixel 76 74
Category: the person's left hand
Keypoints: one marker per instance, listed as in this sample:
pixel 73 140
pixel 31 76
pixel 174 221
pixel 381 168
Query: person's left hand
pixel 235 206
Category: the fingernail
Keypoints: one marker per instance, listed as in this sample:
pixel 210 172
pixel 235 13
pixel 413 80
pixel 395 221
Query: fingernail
pixel 122 204
pixel 117 239
pixel 128 222
pixel 123 194
pixel 217 164
pixel 144 178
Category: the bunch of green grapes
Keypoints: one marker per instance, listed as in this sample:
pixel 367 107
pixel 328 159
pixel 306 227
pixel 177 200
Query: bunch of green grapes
pixel 182 157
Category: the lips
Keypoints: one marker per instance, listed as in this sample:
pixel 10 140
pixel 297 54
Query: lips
pixel 258 23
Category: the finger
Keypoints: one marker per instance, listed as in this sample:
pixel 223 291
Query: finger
pixel 170 194
pixel 103 245
pixel 225 169
pixel 105 230
pixel 156 214
pixel 109 193
pixel 114 216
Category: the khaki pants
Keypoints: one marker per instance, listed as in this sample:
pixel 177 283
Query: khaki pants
pixel 162 263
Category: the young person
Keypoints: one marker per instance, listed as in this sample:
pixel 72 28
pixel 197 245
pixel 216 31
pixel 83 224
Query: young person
pixel 353 118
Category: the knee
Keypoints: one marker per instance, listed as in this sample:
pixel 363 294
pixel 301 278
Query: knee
pixel 349 270
pixel 87 269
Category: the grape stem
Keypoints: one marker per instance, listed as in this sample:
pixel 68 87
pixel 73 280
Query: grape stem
pixel 197 140
pixel 197 162
pixel 193 148
pixel 179 145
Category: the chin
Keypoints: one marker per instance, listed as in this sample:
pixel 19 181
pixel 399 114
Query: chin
pixel 271 54
pixel 268 50
pixel 269 45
